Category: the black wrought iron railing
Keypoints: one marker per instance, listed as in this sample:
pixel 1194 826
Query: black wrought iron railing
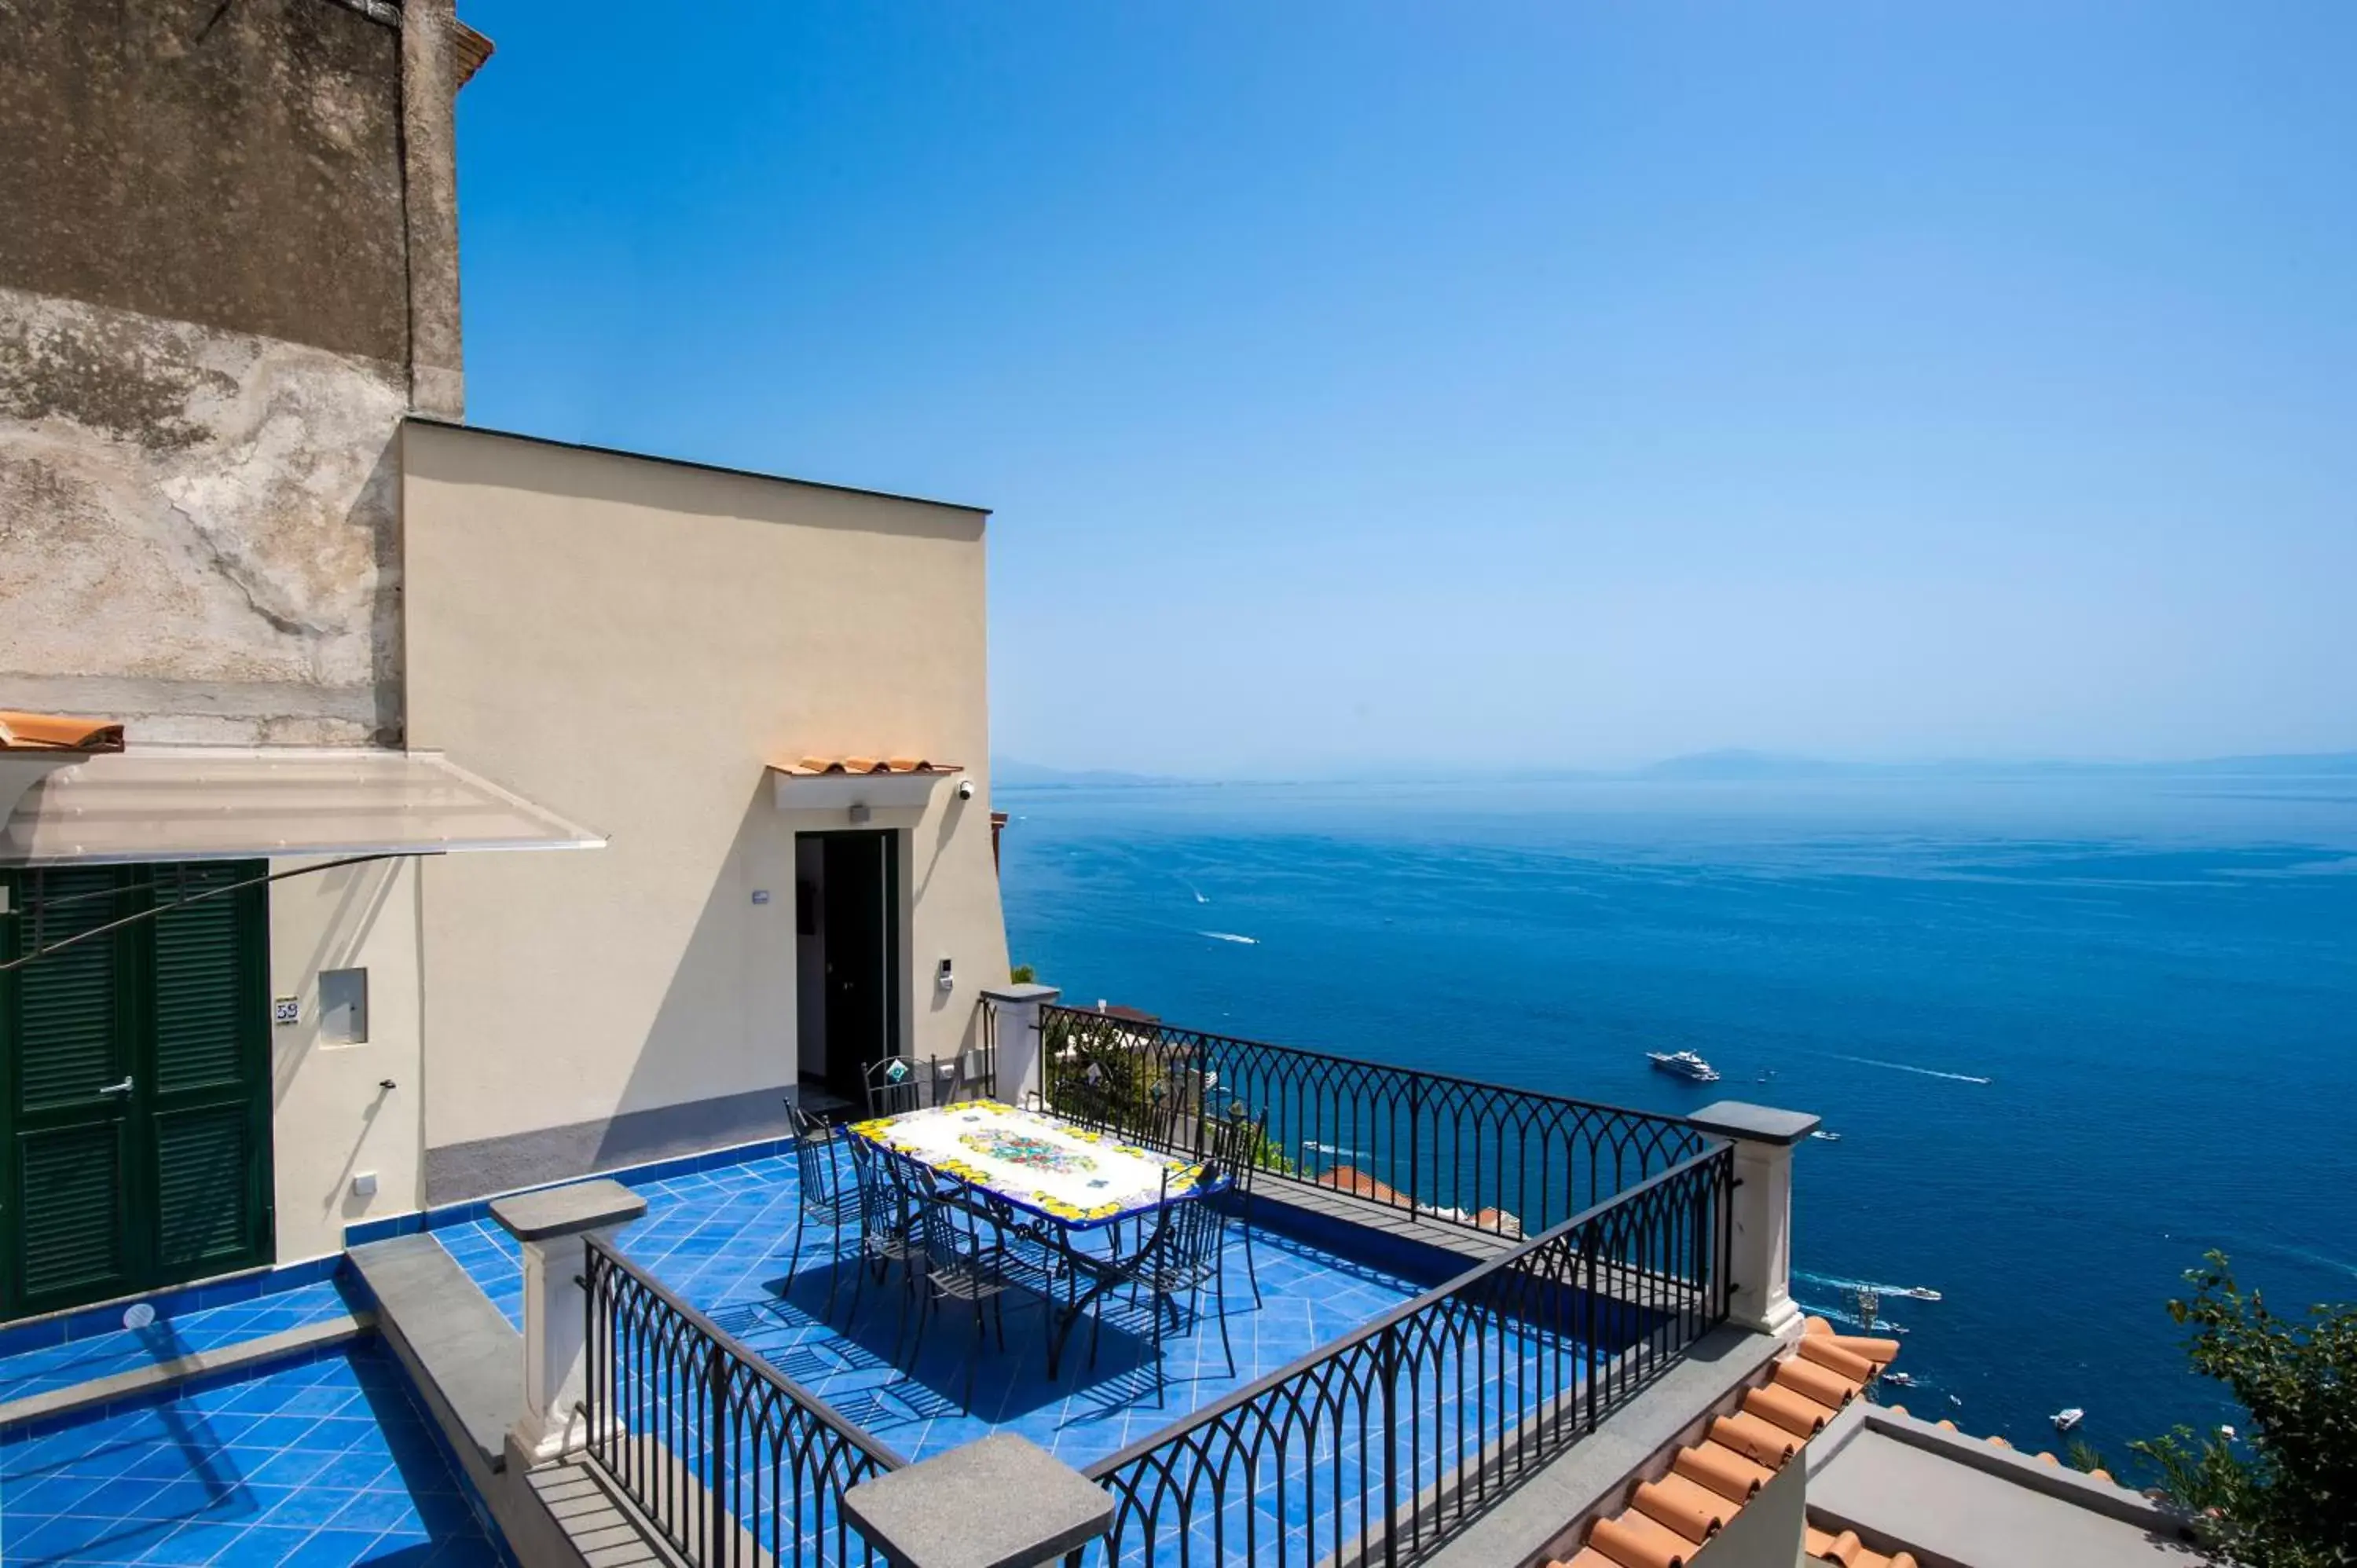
pixel 1513 1161
pixel 981 1059
pixel 1381 1448
pixel 733 1462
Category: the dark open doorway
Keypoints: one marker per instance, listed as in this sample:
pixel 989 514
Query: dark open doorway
pixel 847 907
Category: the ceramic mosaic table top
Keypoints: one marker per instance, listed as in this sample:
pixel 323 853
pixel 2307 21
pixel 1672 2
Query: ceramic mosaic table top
pixel 1076 1175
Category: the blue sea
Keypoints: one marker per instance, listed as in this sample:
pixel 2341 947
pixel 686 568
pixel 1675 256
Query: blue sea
pixel 2072 1032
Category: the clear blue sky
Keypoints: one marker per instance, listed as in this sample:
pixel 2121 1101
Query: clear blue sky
pixel 1531 383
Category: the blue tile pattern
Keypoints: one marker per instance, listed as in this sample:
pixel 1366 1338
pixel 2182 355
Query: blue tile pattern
pixel 325 1459
pixel 171 1335
pixel 480 1208
pixel 86 1322
pixel 721 1237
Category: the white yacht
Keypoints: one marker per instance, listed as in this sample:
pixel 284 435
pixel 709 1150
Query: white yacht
pixel 2065 1420
pixel 1683 1064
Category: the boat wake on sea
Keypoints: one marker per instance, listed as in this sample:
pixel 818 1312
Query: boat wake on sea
pixel 1925 1071
pixel 1230 937
pixel 1851 1287
pixel 1850 1319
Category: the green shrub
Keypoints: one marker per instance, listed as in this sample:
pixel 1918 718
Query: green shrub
pixel 2285 1494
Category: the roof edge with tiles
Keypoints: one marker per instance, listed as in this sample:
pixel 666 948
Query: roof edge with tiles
pixel 2042 1471
pixel 838 767
pixel 1753 1435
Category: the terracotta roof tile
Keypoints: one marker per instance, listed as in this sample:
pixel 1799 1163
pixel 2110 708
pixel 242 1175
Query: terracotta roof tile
pixel 1732 1476
pixel 56 732
pixel 1352 1180
pixel 1796 1414
pixel 1633 1540
pixel 1822 1384
pixel 1692 1510
pixel 820 767
pixel 1848 1551
pixel 1762 1442
pixel 1822 1349
pixel 1667 1517
pixel 469 50
pixel 1881 1352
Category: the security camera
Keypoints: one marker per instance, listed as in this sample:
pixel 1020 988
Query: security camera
pixel 966 788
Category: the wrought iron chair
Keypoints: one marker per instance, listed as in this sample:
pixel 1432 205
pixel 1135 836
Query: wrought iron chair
pixel 823 1196
pixel 965 1259
pixel 1185 1253
pixel 894 1085
pixel 890 1225
pixel 1090 1095
pixel 1234 1147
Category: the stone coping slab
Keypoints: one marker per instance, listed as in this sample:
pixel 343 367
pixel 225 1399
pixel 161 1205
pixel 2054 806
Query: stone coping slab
pixel 567 1210
pixel 1001 1502
pixel 464 1356
pixel 1754 1123
pixel 1021 991
pixel 137 1382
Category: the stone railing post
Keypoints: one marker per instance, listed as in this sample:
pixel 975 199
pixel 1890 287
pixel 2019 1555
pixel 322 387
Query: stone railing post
pixel 1762 1250
pixel 553 1225
pixel 1015 1027
pixel 1001 1501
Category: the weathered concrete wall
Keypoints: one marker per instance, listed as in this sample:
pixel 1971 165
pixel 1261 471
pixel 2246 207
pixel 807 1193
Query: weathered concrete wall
pixel 237 166
pixel 199 529
pixel 206 342
pixel 430 81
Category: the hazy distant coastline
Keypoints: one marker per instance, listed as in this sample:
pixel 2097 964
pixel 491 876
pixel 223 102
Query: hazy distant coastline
pixel 1732 766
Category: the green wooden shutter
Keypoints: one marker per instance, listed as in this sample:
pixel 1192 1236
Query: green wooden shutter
pixel 69 1011
pixel 204 1202
pixel 70 1202
pixel 208 1125
pixel 67 1178
pixel 200 1027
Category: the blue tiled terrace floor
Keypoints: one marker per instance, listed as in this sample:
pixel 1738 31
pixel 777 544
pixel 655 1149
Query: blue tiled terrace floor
pixel 722 1237
pixel 325 1461
pixel 204 1328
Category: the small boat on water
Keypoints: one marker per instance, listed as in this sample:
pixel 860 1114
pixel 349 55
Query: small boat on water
pixel 1897 1379
pixel 1683 1064
pixel 1918 1292
pixel 1822 1136
pixel 2065 1420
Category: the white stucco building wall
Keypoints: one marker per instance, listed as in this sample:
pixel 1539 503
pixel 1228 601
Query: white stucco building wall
pixel 331 1117
pixel 638 639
